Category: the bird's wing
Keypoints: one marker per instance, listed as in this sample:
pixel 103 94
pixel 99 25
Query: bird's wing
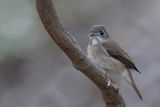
pixel 115 51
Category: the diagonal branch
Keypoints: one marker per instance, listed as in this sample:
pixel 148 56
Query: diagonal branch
pixel 70 47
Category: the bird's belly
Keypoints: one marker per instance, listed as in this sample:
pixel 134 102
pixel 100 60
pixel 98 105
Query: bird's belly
pixel 106 62
pixel 110 64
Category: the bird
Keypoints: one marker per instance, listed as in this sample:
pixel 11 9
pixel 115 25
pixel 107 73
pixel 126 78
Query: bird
pixel 109 56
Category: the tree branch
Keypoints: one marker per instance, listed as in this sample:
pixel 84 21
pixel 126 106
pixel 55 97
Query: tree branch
pixel 80 61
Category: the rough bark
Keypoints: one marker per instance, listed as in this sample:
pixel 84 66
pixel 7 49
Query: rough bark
pixel 79 60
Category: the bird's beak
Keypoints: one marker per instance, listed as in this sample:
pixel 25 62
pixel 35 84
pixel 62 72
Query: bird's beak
pixel 92 35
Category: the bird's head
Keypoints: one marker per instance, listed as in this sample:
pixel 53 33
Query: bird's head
pixel 98 34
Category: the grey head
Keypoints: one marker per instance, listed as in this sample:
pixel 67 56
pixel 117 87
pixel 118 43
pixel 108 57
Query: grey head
pixel 99 31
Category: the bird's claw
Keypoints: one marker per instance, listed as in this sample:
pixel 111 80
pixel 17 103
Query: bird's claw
pixel 109 83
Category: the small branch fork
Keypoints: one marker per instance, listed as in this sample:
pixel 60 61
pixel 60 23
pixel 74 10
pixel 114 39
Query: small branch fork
pixel 68 44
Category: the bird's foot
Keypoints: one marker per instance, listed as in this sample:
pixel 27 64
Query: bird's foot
pixel 109 83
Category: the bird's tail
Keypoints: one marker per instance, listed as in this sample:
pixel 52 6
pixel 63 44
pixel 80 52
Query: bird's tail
pixel 130 80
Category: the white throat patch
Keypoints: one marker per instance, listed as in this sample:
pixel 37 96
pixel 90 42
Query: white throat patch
pixel 94 41
pixel 97 40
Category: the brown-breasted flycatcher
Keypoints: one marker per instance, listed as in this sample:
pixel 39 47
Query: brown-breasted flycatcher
pixel 108 55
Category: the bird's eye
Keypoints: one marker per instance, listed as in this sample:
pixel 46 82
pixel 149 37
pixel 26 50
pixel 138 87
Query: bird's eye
pixel 101 33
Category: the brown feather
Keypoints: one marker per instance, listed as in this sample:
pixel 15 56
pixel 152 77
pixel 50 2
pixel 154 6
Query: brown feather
pixel 134 84
pixel 115 51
